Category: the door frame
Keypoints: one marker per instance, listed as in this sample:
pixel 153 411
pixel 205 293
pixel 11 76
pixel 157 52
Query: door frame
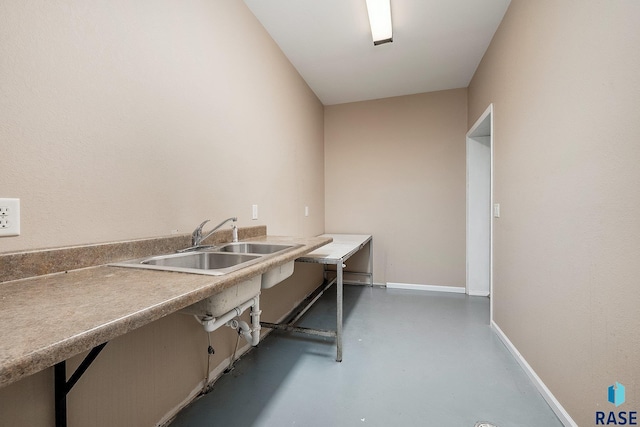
pixel 482 128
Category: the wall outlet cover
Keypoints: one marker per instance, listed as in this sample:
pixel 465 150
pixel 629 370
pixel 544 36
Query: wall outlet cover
pixel 9 217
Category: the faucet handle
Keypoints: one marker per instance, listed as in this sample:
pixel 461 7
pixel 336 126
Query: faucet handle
pixel 202 224
pixel 196 236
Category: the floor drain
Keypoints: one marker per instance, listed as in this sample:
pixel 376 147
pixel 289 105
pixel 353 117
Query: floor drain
pixel 484 424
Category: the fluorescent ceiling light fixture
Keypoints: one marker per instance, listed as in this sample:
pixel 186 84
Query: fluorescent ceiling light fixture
pixel 380 21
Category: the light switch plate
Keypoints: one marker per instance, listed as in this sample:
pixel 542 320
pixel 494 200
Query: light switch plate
pixel 9 217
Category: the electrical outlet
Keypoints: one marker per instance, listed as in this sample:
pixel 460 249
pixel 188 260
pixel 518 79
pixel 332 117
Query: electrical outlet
pixel 254 212
pixel 9 217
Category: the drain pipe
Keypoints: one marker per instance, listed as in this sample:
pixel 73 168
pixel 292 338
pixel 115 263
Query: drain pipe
pixel 243 329
pixel 251 334
pixel 254 331
pixel 255 322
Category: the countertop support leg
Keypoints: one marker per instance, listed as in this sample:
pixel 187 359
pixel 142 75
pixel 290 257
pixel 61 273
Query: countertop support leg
pixel 60 396
pixel 63 387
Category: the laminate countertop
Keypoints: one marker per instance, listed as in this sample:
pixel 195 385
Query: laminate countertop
pixel 47 319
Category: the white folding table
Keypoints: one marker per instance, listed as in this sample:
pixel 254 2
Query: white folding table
pixel 334 253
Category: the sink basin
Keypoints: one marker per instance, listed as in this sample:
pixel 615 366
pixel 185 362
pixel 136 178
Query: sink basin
pixel 225 301
pixel 198 262
pixel 273 276
pixel 254 248
pixel 276 275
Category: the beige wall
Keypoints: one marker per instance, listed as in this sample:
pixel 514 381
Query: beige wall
pixel 128 119
pixel 395 168
pixel 125 119
pixel 564 78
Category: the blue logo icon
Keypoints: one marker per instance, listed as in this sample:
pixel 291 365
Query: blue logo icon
pixel 616 394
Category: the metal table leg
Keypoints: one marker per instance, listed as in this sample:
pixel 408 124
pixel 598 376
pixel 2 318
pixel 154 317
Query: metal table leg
pixel 339 293
pixel 371 262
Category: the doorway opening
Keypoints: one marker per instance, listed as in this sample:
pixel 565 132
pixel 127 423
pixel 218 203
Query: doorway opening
pixel 479 206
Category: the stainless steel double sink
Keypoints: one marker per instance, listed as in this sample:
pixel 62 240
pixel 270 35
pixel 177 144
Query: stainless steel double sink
pixel 215 260
pixel 218 261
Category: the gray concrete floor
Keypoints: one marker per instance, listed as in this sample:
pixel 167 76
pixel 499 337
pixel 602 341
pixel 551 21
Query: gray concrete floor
pixel 410 359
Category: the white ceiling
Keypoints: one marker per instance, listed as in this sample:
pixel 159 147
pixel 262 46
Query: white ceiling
pixel 437 44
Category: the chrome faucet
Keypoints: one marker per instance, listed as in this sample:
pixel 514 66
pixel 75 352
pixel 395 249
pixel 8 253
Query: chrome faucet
pixel 196 236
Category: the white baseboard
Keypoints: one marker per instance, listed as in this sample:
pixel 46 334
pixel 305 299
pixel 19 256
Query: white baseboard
pixel 454 289
pixel 361 283
pixel 478 293
pixel 557 408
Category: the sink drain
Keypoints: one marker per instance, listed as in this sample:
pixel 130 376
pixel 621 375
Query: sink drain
pixel 484 424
